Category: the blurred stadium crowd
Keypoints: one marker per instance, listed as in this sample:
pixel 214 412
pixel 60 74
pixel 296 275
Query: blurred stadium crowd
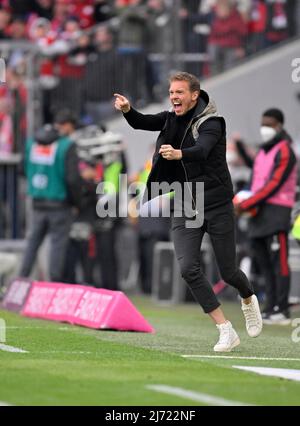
pixel 65 59
pixel 75 54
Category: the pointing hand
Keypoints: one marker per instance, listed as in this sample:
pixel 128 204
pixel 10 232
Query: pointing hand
pixel 121 103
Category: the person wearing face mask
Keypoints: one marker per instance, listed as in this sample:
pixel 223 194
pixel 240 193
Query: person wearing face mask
pixel 273 190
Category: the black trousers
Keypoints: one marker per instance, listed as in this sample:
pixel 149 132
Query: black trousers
pixel 272 256
pixel 78 254
pixel 53 222
pixel 219 223
pixel 107 256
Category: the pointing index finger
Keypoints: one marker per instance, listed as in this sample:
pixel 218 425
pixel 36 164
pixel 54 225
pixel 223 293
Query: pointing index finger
pixel 117 95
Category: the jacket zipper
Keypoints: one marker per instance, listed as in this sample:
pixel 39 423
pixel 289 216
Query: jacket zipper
pixel 185 172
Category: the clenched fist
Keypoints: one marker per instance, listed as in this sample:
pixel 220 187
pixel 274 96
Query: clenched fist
pixel 121 103
pixel 169 153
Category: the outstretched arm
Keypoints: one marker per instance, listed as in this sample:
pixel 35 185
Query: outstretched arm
pixel 137 120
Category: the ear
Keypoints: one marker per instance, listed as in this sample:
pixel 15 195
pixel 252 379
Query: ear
pixel 195 96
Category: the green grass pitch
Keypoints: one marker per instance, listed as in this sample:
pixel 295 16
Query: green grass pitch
pixel 67 365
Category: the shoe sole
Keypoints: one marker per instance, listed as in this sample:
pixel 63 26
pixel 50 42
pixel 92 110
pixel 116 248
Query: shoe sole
pixel 256 334
pixel 234 344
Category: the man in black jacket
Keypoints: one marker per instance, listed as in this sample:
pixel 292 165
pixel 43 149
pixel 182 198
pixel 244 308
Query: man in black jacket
pixel 190 149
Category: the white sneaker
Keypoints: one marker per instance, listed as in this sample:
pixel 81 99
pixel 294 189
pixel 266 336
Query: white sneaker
pixel 279 318
pixel 253 317
pixel 228 338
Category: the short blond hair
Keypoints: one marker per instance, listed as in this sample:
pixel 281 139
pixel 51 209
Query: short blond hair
pixel 194 83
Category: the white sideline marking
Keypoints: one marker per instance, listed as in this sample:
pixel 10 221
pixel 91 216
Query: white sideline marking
pixel 71 329
pixel 241 357
pixel 6 348
pixel 65 352
pixel 283 373
pixel 4 404
pixel 16 327
pixel 195 396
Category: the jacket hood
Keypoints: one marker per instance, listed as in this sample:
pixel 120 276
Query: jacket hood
pixel 205 106
pixel 205 109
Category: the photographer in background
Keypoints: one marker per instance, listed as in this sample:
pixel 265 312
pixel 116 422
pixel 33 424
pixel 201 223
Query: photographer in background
pixel 51 168
pixel 93 239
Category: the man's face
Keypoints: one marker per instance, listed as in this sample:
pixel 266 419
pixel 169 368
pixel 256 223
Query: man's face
pixel 18 30
pixel 45 3
pixel 4 19
pixel 271 122
pixel 64 129
pixel 181 97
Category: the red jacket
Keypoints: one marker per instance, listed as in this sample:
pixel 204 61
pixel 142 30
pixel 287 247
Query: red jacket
pixel 258 20
pixel 228 32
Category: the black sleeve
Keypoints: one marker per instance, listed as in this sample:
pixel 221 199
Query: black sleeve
pixel 210 133
pixel 153 122
pixel 248 160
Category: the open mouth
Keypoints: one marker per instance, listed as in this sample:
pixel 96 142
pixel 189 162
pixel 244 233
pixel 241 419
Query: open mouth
pixel 177 106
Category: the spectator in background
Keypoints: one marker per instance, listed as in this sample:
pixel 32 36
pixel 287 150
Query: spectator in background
pixel 17 29
pixel 71 29
pixel 103 11
pixel 107 228
pixel 52 172
pixel 85 201
pixel 150 229
pixel 6 127
pixel 133 42
pixel 84 11
pixel 80 52
pixel 61 12
pixel 50 46
pixel 69 92
pixel 257 26
pixel 102 77
pixel 273 190
pixel 190 16
pixel 280 20
pixel 16 91
pixel 157 19
pixel 195 30
pixel 78 42
pixel 19 7
pixel 43 8
pixel 206 6
pixel 243 6
pixel 5 17
pixel 227 38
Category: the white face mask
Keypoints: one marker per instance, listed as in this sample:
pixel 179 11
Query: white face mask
pixel 267 133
